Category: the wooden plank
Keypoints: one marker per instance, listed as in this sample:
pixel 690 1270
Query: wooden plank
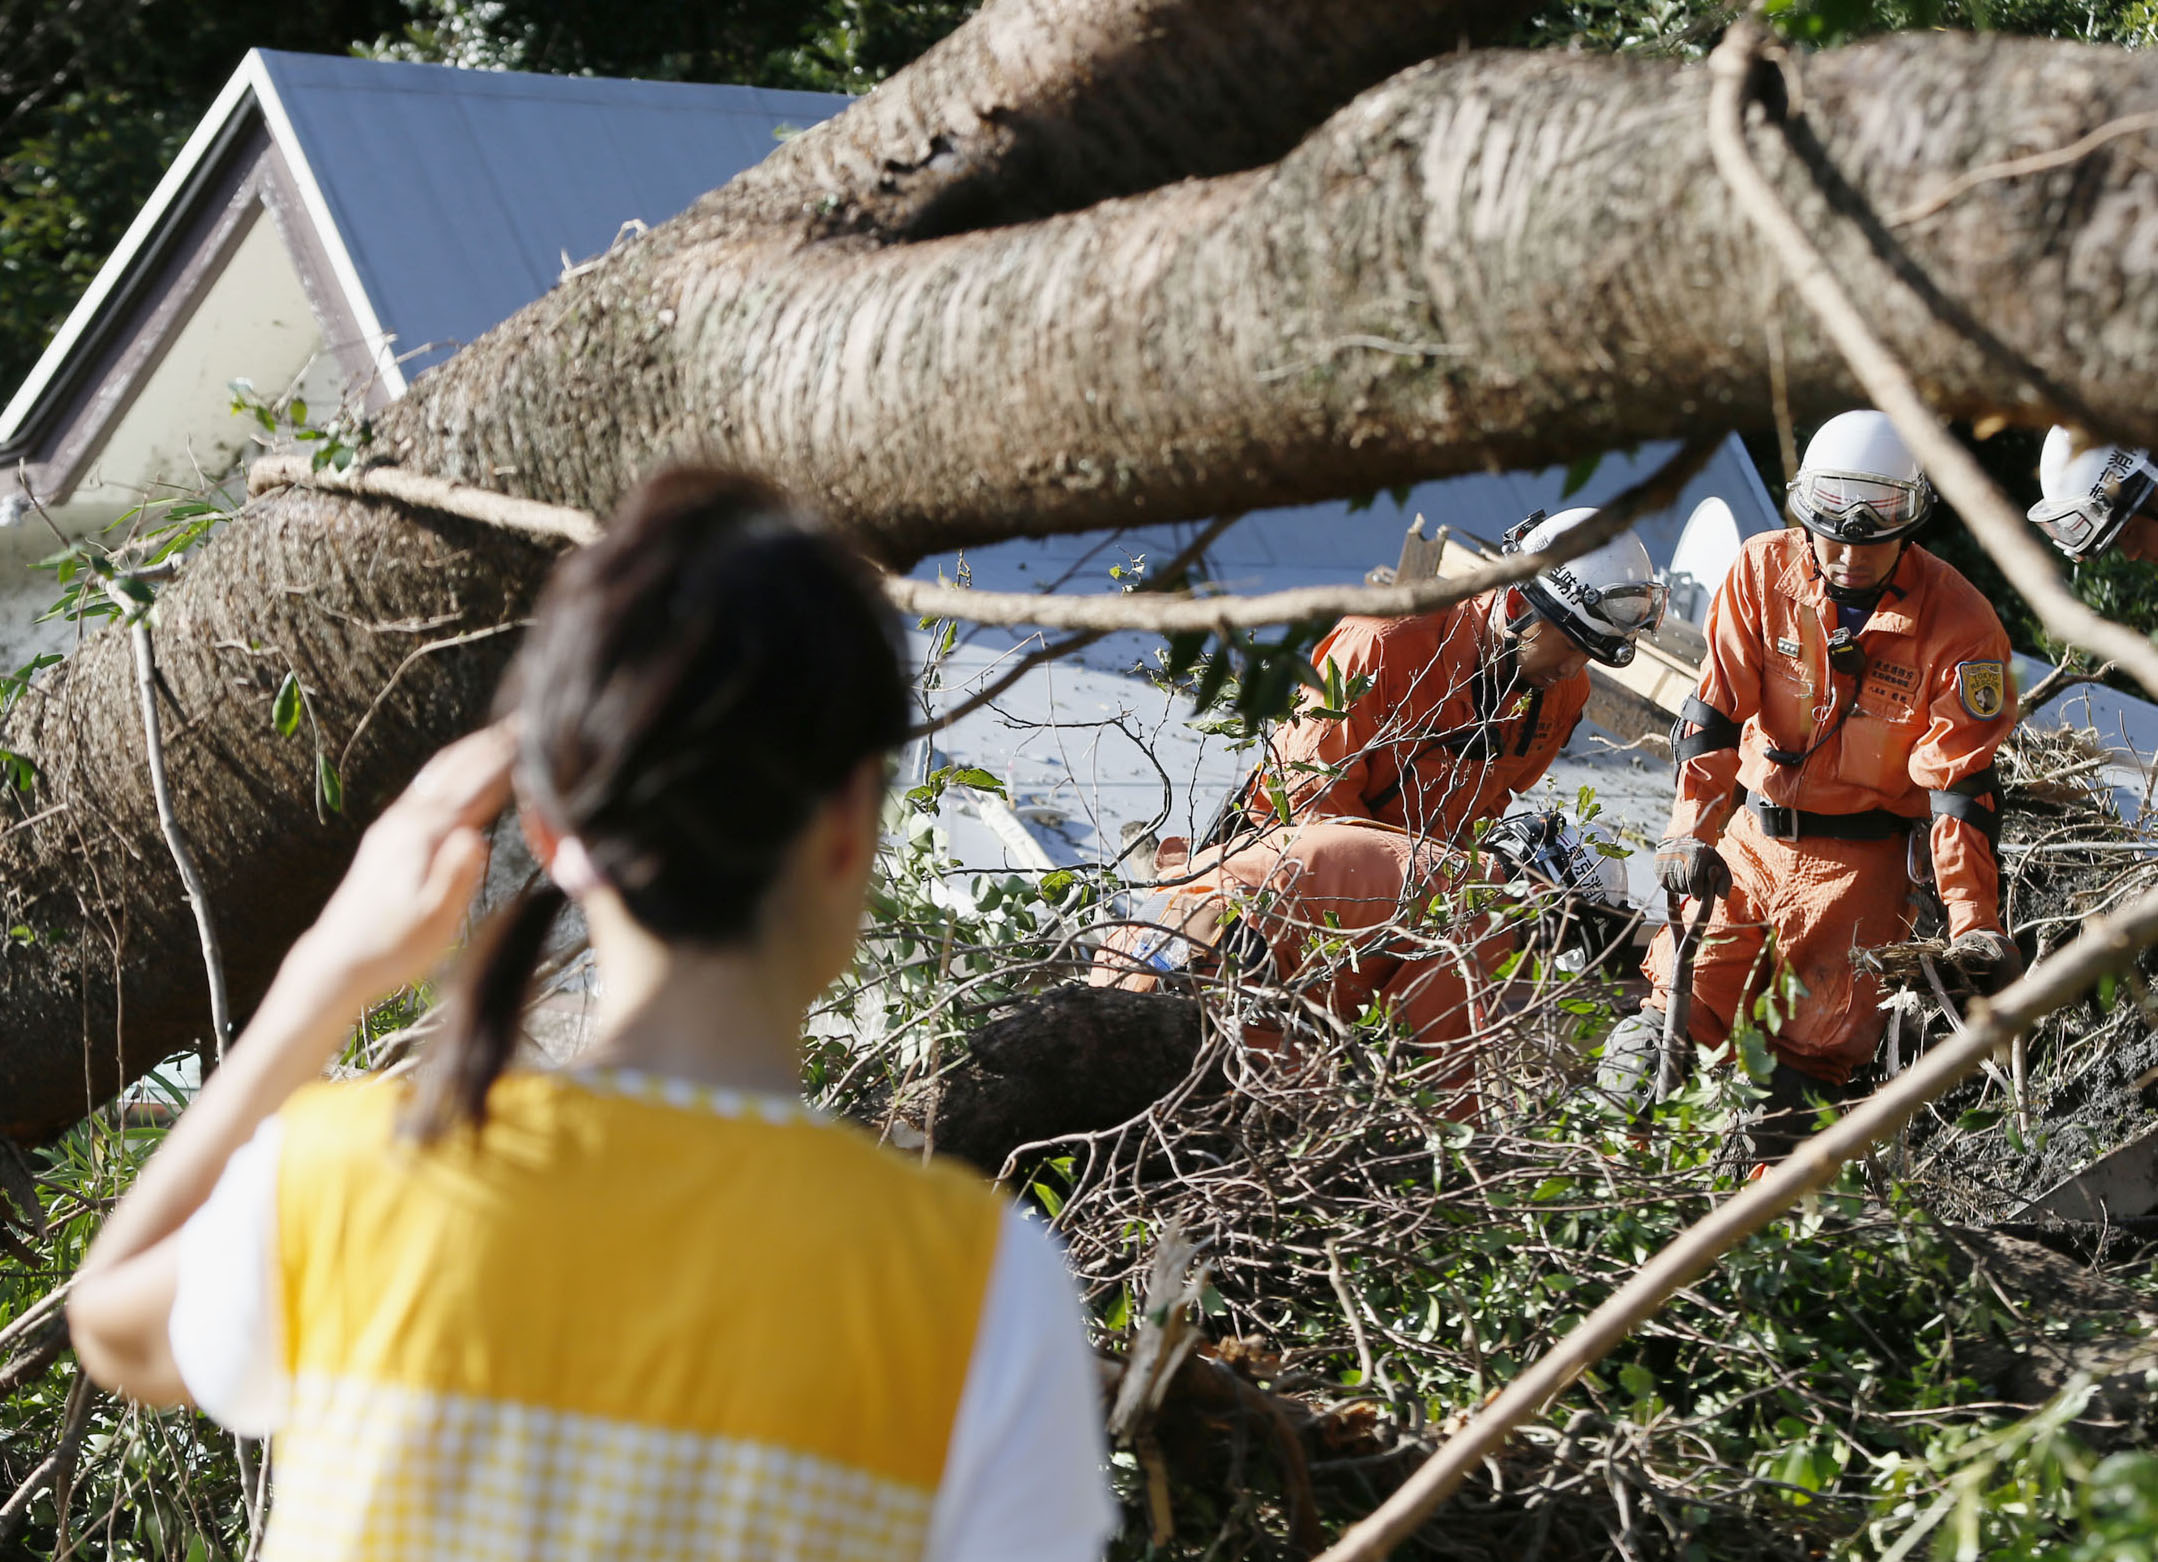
pixel 2117 1186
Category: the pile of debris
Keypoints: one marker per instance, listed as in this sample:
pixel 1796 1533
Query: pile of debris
pixel 2084 1085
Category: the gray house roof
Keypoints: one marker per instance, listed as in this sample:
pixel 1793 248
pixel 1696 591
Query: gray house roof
pixel 457 194
pixel 420 204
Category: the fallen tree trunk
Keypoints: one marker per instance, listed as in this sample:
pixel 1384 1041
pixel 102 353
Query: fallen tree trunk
pixel 1492 259
pixel 102 977
pixel 1497 259
pixel 1074 1060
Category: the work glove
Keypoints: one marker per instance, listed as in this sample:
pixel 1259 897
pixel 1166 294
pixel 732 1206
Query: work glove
pixel 1685 866
pixel 1988 959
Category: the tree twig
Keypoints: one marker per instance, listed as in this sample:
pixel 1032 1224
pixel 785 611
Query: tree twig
pixel 344 756
pixel 1171 578
pixel 2057 682
pixel 1993 519
pixel 2017 167
pixel 56 1469
pixel 2105 945
pixel 183 858
pixel 1191 615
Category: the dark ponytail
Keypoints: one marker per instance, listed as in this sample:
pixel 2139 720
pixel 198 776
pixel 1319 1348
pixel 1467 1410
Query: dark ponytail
pixel 694 686
pixel 486 1014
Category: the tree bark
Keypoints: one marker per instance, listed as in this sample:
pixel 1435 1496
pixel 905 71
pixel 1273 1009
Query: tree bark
pixel 1493 259
pixel 1040 107
pixel 102 978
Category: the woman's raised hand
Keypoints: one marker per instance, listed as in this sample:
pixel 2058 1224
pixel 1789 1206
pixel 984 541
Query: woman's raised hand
pixel 415 874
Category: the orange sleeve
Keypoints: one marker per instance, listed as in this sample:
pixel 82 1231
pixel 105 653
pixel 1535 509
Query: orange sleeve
pixel 1323 762
pixel 1731 684
pixel 1957 744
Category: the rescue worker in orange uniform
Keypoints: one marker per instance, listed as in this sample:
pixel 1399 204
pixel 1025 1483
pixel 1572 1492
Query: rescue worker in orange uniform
pixel 1854 692
pixel 1466 708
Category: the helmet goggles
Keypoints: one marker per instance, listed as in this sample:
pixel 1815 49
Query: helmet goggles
pixel 1859 507
pixel 1602 613
pixel 2084 525
pixel 1600 620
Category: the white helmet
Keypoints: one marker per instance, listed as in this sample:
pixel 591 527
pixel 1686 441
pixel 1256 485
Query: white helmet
pixel 2090 493
pixel 1602 599
pixel 1548 844
pixel 1859 483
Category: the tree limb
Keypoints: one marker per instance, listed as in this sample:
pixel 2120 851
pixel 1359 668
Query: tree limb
pixel 1036 107
pixel 1540 241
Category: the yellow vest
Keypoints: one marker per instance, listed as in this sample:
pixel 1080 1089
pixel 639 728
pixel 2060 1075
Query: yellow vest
pixel 631 1318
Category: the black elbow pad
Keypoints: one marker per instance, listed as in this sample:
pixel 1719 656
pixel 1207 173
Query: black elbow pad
pixel 1968 800
pixel 1713 730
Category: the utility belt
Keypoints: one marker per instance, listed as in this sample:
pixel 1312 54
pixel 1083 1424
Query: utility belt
pixel 1780 823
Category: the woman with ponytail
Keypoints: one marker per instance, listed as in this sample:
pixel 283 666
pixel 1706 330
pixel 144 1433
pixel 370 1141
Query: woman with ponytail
pixel 649 1305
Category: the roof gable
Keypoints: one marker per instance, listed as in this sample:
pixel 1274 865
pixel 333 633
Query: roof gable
pixel 431 203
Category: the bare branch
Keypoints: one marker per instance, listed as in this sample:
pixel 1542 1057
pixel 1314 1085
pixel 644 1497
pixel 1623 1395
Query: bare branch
pixel 2058 682
pixel 198 894
pixel 2019 167
pixel 1188 614
pixel 548 521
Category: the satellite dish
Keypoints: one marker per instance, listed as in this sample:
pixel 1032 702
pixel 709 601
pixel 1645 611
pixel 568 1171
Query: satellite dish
pixel 1706 551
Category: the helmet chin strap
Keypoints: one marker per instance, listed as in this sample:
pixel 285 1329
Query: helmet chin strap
pixel 1867 597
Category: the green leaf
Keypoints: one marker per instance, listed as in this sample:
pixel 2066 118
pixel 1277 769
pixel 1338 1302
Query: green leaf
pixel 1579 473
pixel 299 411
pixel 979 779
pixel 1117 1315
pixel 285 709
pixel 329 785
pixel 1637 1380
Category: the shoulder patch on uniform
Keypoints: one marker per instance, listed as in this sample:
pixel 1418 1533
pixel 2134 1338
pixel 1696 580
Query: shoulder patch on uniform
pixel 1983 687
pixel 1786 646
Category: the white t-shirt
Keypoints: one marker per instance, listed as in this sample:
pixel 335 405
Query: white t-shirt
pixel 1023 1477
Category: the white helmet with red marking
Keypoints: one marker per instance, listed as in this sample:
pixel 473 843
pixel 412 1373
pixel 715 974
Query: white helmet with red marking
pixel 1859 483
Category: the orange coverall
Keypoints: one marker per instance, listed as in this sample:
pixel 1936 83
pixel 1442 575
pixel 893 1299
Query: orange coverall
pixel 1935 701
pixel 1437 744
pixel 1319 892
pixel 1378 798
